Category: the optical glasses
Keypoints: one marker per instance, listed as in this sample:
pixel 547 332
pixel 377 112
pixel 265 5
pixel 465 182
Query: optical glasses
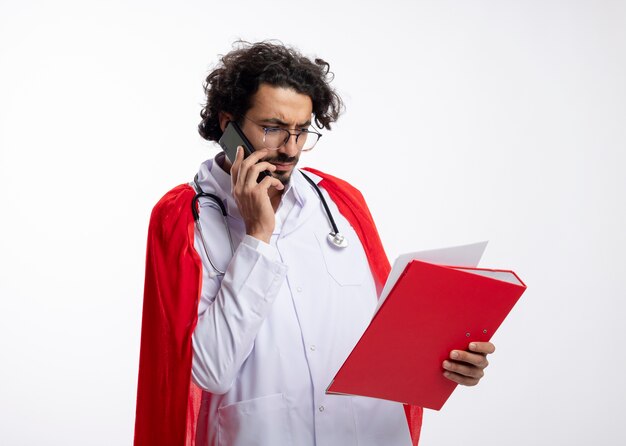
pixel 278 137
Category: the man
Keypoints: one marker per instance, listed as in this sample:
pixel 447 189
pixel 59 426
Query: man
pixel 261 329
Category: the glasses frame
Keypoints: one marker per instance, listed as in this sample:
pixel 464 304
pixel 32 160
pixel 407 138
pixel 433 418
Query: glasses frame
pixel 266 130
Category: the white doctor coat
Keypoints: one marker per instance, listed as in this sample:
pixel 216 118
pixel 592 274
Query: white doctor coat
pixel 274 330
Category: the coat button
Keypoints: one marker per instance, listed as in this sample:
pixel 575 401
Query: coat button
pixel 321 408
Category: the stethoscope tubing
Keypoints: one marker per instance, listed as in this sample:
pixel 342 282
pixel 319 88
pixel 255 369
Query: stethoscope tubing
pixel 196 216
pixel 334 237
pixel 329 214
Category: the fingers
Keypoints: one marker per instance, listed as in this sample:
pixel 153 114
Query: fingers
pixel 463 373
pixel 485 348
pixel 234 168
pixel 468 367
pixel 461 379
pixel 475 359
pixel 270 181
pixel 252 198
pixel 238 171
pixel 251 167
pixel 244 172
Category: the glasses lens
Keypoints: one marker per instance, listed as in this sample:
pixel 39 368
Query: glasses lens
pixel 275 137
pixel 307 140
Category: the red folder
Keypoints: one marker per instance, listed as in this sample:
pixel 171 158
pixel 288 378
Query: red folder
pixel 431 310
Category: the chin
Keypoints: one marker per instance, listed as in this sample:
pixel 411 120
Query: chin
pixel 283 177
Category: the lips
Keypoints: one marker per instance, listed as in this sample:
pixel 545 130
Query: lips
pixel 283 166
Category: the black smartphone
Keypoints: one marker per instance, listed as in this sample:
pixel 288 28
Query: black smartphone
pixel 232 138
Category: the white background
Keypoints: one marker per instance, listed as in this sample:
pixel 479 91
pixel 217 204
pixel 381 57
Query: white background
pixel 465 121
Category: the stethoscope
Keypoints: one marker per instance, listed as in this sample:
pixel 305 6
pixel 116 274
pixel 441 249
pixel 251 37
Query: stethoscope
pixel 334 237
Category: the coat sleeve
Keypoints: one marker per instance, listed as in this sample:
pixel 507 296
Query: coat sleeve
pixel 229 321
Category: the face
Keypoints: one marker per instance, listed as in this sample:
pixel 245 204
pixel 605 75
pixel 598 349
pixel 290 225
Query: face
pixel 276 107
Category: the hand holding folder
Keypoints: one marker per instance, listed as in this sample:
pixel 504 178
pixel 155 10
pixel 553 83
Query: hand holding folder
pixel 425 312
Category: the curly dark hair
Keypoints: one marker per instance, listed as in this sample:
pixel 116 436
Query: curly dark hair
pixel 231 85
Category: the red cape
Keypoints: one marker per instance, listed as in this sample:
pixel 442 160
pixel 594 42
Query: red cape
pixel 167 400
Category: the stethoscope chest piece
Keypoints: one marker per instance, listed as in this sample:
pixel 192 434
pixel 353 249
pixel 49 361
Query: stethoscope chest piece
pixel 334 237
pixel 337 240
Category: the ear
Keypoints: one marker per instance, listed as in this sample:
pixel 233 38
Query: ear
pixel 224 118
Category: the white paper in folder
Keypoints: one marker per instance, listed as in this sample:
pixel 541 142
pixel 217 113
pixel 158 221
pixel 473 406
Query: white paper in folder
pixel 463 255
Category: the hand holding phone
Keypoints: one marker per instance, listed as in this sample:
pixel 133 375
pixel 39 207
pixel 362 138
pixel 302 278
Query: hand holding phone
pixel 254 198
pixel 232 138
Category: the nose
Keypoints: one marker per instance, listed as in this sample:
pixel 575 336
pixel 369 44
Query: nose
pixel 290 148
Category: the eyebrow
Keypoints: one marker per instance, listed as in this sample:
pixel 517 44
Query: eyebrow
pixel 283 123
